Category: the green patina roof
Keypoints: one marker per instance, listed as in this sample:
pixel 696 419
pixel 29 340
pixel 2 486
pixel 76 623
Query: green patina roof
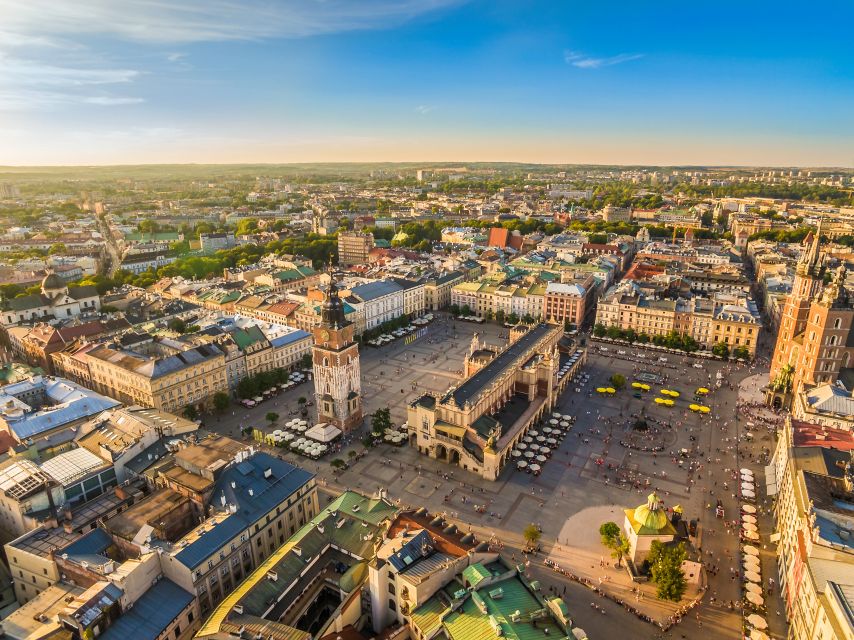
pixel 353 577
pixel 247 337
pixel 475 574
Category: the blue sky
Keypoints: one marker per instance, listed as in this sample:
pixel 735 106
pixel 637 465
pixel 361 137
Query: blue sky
pixel 100 81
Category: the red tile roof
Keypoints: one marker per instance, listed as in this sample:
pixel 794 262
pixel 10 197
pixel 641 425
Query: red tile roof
pixel 806 434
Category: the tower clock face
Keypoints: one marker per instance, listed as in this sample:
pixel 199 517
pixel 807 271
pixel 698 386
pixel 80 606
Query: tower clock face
pixel 324 335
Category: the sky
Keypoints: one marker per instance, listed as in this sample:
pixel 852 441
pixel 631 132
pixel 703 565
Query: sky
pixel 562 81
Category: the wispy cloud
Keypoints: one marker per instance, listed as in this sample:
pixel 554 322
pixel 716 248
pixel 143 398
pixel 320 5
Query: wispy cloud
pixel 583 61
pixel 424 109
pixel 187 21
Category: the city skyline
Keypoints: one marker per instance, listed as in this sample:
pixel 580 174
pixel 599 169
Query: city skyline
pixel 441 80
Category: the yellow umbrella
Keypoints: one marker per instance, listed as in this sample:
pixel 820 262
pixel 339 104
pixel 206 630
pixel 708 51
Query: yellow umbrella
pixel 645 387
pixel 600 389
pixel 637 385
pixel 694 407
pixel 702 391
pixel 704 409
pixel 665 392
pixel 659 400
pixel 674 394
pixel 611 390
pixel 669 403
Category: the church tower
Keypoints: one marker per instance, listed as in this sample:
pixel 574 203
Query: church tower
pixel 337 375
pixel 809 274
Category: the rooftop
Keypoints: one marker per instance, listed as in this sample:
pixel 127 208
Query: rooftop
pixel 74 465
pixel 151 613
pixel 472 386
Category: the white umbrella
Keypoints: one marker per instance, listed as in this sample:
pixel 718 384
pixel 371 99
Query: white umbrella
pixel 752 576
pixel 750 535
pixel 756 634
pixel 748 508
pixel 746 517
pixel 541 438
pixel 288 436
pixel 747 526
pixel 556 415
pixel 533 433
pixel 751 566
pixel 564 424
pixel 541 459
pixel 521 464
pixel 750 550
pixel 516 453
pixel 528 454
pixel 551 441
pixel 535 447
pixel 554 421
pixel 535 467
pixel 277 432
pixel 528 439
pixel 757 621
pixel 748 486
pixel 521 445
pixel 545 451
pixel 755 598
pixel 745 470
pixel 547 429
pixel 748 494
pixel 753 588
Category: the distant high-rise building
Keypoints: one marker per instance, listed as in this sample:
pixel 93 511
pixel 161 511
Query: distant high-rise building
pixel 354 247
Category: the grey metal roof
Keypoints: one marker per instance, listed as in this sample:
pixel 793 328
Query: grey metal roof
pixel 151 614
pixel 374 290
pixel 481 379
pixel 285 480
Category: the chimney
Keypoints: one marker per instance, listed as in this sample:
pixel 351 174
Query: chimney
pixel 67 526
pixel 121 494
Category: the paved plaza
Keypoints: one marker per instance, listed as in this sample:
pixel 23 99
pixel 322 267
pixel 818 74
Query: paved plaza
pixel 601 467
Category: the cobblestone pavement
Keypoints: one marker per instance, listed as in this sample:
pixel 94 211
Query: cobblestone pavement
pixel 571 481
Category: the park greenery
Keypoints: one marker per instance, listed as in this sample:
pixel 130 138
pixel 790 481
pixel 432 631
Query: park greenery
pixel 672 340
pixel 665 570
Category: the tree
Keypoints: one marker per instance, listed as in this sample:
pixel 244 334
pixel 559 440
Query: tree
pixel 619 548
pixel 57 248
pixel 532 535
pixel 487 315
pixel 305 361
pixel 272 416
pixel 618 381
pixel 499 316
pixel 221 401
pixel 513 318
pixel 599 330
pixel 177 325
pixel 741 353
pixel 665 569
pixel 381 420
pixel 190 412
pixel 721 350
pixel 454 309
pixel 615 333
pixel 465 310
pixel 301 400
pixel 608 531
pixel 338 463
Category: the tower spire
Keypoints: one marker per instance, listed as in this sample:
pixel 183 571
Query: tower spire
pixel 811 262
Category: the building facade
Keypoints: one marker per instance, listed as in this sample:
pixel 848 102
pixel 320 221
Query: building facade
pixel 354 247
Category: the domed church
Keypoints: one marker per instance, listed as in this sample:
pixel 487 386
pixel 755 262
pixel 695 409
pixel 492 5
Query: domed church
pixel 56 301
pixel 645 524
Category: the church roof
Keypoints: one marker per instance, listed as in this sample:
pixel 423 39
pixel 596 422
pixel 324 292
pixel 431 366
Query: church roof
pixel 650 518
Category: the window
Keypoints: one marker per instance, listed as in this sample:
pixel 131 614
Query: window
pixel 391 589
pixel 392 605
